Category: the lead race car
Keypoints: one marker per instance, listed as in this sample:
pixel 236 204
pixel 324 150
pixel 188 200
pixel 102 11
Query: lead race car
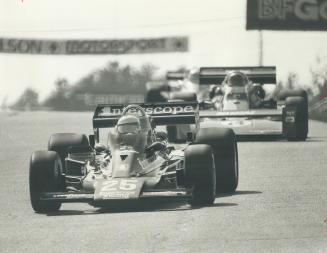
pixel 238 99
pixel 136 163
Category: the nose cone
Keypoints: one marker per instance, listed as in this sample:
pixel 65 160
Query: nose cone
pixel 125 164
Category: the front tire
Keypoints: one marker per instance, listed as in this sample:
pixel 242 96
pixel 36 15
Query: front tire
pixel 285 93
pixel 224 147
pixel 200 173
pixel 61 142
pixel 45 175
pixel 295 119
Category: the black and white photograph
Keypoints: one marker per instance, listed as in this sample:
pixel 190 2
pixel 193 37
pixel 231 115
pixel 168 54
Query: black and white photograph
pixel 163 126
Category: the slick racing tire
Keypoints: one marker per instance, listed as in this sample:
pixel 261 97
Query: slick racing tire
pixel 45 175
pixel 295 119
pixel 285 93
pixel 224 147
pixel 61 142
pixel 183 96
pixel 200 173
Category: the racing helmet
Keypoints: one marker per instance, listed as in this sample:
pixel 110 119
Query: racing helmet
pixel 236 78
pixel 128 132
pixel 128 124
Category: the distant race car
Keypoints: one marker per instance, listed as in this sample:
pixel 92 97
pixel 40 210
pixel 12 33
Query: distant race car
pixel 237 98
pixel 135 163
pixel 177 86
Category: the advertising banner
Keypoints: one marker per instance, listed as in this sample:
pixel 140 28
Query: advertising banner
pixel 287 15
pixel 94 47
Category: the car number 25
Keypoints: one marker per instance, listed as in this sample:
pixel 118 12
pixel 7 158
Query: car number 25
pixel 114 185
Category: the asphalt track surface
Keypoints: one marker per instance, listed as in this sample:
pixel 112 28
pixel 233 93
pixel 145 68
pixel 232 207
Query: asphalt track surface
pixel 280 204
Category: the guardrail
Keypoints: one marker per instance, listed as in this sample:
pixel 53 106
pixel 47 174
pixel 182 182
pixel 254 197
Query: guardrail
pixel 319 107
pixel 318 111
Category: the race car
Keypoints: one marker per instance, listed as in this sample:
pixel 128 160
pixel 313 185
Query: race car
pixel 239 98
pixel 177 86
pixel 135 163
pixel 182 82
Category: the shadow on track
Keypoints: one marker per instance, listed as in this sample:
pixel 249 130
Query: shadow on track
pixel 269 138
pixel 315 139
pixel 237 193
pixel 144 207
pixel 258 138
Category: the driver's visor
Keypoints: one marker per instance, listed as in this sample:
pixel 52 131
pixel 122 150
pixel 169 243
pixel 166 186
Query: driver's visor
pixel 128 128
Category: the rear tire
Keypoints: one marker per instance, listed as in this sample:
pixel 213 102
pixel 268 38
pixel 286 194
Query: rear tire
pixel 45 176
pixel 285 93
pixel 200 173
pixel 61 142
pixel 295 119
pixel 224 147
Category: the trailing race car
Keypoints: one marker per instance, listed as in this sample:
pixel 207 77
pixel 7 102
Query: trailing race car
pixel 238 99
pixel 136 163
pixel 176 87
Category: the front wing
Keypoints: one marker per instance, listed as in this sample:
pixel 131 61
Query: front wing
pixel 89 197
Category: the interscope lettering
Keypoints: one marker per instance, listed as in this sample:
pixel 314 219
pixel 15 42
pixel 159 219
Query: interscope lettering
pixel 150 110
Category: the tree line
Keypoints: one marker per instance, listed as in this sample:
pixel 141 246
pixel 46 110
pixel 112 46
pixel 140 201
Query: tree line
pixel 116 79
pixel 111 79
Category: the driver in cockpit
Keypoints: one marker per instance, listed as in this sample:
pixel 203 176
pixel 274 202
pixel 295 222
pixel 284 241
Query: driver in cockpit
pixel 136 132
pixel 128 133
pixel 128 124
pixel 238 82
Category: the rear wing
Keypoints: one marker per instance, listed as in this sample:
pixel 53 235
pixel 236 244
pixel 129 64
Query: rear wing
pixel 175 76
pixel 172 113
pixel 216 75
